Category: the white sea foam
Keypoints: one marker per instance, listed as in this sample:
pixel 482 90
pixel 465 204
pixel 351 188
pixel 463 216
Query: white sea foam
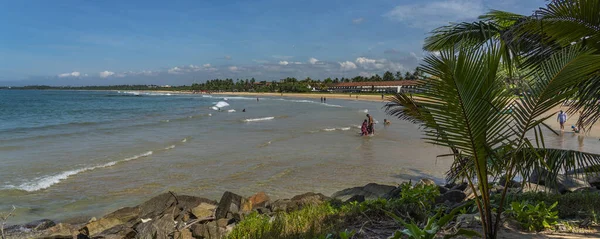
pixel 225 99
pixel 330 105
pixel 207 96
pixel 184 140
pixel 329 129
pixel 312 102
pixel 365 111
pixel 170 147
pixel 345 128
pixel 259 119
pixel 48 181
pixel 231 110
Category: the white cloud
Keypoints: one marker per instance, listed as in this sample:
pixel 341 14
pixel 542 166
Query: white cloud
pixel 313 60
pixel 175 70
pixel 365 74
pixel 347 65
pixel 378 64
pixel 105 74
pixel 283 63
pixel 437 13
pixel 358 20
pixel 233 68
pixel 206 65
pixel 72 74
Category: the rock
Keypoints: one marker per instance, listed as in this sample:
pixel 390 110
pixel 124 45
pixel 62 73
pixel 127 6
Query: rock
pixel 370 191
pixel 204 210
pixel 283 205
pixel 570 183
pixel 309 199
pixel 442 189
pixel 119 231
pixel 539 176
pixel 127 215
pixel 511 184
pixel 230 202
pixel 160 227
pixel 208 231
pixel 532 187
pixel 454 196
pixel 587 190
pixel 356 198
pixel 61 230
pixel 39 225
pixel 184 234
pixel 460 186
pixel 425 181
pixel 223 222
pixel 165 202
pixel 259 200
pixel 467 220
pixel 594 180
pixel 395 193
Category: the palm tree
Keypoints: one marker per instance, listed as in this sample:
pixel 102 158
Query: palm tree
pixel 528 40
pixel 464 105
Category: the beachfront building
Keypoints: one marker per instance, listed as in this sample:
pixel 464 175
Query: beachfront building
pixel 374 86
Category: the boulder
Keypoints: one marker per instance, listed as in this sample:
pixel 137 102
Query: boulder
pixel 204 210
pixel 117 232
pixel 370 191
pixel 454 196
pixel 467 220
pixel 570 183
pixel 208 231
pixel 183 234
pixel 283 205
pixel 426 181
pixel 159 227
pixel 127 215
pixel 356 198
pixel 309 199
pixel 538 176
pixel 39 225
pixel 511 184
pixel 460 186
pixel 61 230
pixel 229 203
pixel 442 189
pixel 259 200
pixel 532 187
pixel 395 193
pixel 594 180
pixel 165 202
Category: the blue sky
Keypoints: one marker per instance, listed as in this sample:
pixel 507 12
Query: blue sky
pixel 69 42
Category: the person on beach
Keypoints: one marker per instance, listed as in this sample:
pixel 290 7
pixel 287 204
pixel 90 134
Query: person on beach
pixel 364 128
pixel 370 128
pixel 575 129
pixel 386 122
pixel 562 118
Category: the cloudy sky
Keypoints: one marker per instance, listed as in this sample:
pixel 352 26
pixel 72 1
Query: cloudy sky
pixel 72 42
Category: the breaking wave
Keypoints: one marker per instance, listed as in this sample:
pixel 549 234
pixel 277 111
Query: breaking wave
pixel 259 119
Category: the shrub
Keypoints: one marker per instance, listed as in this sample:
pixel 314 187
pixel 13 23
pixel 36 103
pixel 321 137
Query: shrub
pixel 534 217
pixel 570 205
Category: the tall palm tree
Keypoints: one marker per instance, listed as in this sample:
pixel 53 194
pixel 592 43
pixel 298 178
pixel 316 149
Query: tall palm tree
pixel 465 104
pixel 527 40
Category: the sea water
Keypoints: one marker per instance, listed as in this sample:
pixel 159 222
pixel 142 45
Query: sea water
pixel 68 154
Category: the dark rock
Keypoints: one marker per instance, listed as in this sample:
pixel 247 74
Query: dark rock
pixel 230 202
pixel 119 231
pixel 460 186
pixel 127 215
pixel 454 196
pixel 356 198
pixel 570 183
pixel 370 191
pixel 160 227
pixel 395 193
pixel 442 189
pixel 183 234
pixel 39 225
pixel 426 181
pixel 587 190
pixel 283 205
pixel 594 180
pixel 165 202
pixel 539 176
pixel 511 184
pixel 208 231
pixel 310 198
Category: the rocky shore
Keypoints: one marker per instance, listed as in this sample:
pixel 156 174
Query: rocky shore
pixel 170 215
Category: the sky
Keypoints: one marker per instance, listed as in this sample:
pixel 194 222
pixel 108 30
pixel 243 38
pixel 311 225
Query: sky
pixel 73 42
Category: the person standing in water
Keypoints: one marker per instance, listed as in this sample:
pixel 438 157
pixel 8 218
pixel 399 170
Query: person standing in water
pixel 256 99
pixel 370 128
pixel 562 118
pixel 324 100
pixel 364 129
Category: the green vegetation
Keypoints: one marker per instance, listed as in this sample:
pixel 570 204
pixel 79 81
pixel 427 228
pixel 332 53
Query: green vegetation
pixel 534 217
pixel 464 103
pixel 432 227
pixel 571 205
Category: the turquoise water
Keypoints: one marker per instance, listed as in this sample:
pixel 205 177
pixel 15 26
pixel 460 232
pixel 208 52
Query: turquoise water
pixel 66 154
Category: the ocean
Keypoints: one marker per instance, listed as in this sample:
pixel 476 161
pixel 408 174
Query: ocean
pixel 70 154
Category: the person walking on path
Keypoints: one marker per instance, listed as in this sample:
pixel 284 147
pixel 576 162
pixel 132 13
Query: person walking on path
pixel 562 118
